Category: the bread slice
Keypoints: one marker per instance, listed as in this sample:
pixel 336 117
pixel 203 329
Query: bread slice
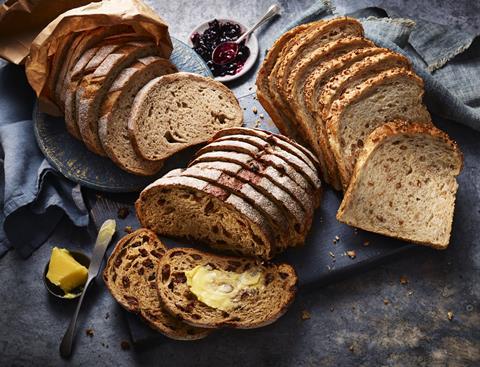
pixel 358 73
pixel 177 111
pixel 404 184
pixel 251 306
pixel 115 111
pixel 298 220
pixel 249 148
pixel 392 94
pixel 302 46
pixel 264 95
pixel 187 207
pixel 269 169
pixel 130 276
pixel 93 89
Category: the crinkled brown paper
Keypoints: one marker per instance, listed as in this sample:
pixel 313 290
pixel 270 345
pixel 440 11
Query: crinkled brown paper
pixel 93 15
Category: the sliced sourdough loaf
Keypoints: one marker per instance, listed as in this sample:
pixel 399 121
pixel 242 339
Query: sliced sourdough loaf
pixel 130 276
pixel 273 169
pixel 404 184
pixel 115 111
pixel 358 73
pixel 272 213
pixel 93 88
pixel 302 46
pixel 252 294
pixel 187 207
pixel 392 94
pixel 264 95
pixel 177 111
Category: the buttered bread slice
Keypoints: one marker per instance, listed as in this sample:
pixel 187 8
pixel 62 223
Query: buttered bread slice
pixel 212 291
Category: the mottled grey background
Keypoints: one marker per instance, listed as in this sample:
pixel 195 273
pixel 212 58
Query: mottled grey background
pixel 367 319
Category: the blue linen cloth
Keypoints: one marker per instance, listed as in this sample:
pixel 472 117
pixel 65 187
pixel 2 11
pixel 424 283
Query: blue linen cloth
pixel 33 197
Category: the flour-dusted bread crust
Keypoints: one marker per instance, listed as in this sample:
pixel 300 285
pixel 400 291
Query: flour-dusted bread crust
pixel 92 90
pixel 404 184
pixel 115 112
pixel 130 276
pixel 187 207
pixel 254 308
pixel 177 111
pixel 392 94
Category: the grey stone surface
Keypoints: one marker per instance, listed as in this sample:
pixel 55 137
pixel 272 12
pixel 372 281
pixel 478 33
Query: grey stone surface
pixel 372 318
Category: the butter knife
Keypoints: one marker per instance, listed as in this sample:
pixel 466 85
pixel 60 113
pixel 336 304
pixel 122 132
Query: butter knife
pixel 103 239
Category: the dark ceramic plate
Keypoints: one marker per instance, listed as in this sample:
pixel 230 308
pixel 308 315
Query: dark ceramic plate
pixel 72 159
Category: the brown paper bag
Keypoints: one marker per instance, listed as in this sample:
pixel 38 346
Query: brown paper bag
pixel 106 13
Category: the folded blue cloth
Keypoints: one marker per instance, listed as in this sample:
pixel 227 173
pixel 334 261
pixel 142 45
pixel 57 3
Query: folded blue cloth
pixel 33 197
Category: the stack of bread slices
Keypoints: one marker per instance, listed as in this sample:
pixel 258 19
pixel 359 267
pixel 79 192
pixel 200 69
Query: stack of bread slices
pixel 248 191
pixel 119 97
pixel 360 108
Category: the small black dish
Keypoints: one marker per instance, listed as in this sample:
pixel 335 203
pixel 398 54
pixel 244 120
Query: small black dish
pixel 57 291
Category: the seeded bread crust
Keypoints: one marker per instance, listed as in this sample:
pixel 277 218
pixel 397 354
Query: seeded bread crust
pixel 346 155
pixel 130 276
pixel 255 308
pixel 191 208
pixel 428 176
pixel 160 125
pixel 113 124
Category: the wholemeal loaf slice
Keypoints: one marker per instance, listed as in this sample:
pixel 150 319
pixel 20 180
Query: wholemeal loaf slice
pixel 130 276
pixel 93 88
pixel 404 185
pixel 177 111
pixel 392 94
pixel 191 208
pixel 115 111
pixel 273 169
pixel 224 291
pixel 314 85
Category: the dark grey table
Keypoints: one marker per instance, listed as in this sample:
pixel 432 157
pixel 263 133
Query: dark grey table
pixel 395 314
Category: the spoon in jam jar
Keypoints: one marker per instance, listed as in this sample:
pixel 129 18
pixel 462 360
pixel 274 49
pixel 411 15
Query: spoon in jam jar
pixel 227 51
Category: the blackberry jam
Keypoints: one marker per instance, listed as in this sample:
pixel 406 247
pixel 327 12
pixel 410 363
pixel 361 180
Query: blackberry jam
pixel 217 33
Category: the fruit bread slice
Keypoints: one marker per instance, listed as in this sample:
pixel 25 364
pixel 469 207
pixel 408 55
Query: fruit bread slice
pixel 187 207
pixel 302 46
pixel 177 111
pixel 298 220
pixel 93 88
pixel 115 111
pixel 272 168
pixel 404 184
pixel 276 217
pixel 218 291
pixel 130 276
pixel 313 86
pixel 392 94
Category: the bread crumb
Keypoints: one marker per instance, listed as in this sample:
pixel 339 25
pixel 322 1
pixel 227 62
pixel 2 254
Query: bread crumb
pixel 350 348
pixel 331 254
pixel 450 315
pixel 366 243
pixel 261 116
pixel 128 229
pixel 125 345
pixel 410 293
pixel 123 212
pixel 403 279
pixel 89 332
pixel 351 254
pixel 254 110
pixel 337 238
pixel 257 123
pixel 386 301
pixel 305 315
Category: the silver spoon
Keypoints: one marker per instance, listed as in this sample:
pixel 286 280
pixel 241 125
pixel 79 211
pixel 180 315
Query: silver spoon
pixel 103 239
pixel 227 51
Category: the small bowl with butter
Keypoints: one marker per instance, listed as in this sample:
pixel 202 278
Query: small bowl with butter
pixel 66 273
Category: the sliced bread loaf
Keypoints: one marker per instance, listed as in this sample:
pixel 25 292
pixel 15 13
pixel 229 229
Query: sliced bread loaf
pixel 93 88
pixel 224 291
pixel 130 276
pixel 392 94
pixel 177 111
pixel 191 208
pixel 404 184
pixel 115 111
